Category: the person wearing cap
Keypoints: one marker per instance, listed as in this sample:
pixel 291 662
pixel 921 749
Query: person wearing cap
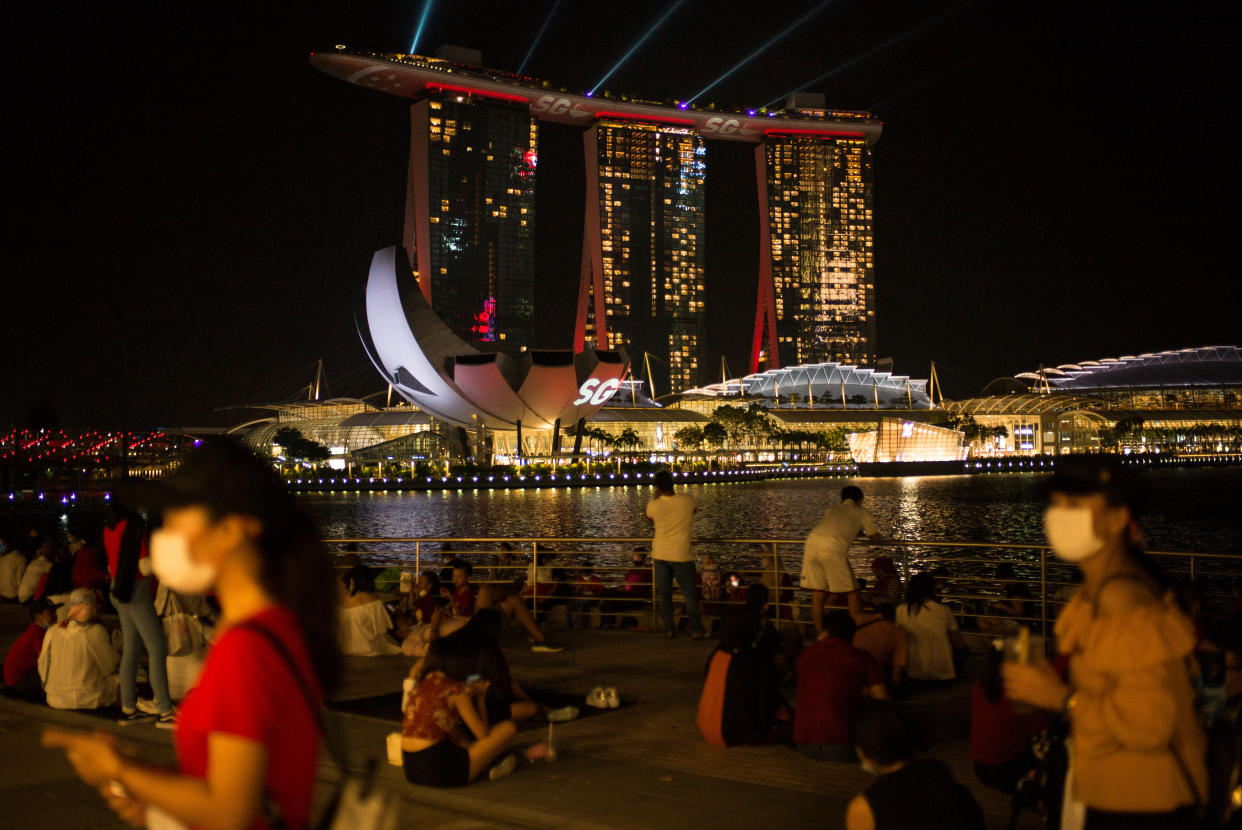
pixel 248 734
pixel 1136 746
pixel 77 664
pixel 21 664
pixel 825 562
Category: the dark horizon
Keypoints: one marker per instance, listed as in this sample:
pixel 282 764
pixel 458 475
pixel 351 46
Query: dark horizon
pixel 194 207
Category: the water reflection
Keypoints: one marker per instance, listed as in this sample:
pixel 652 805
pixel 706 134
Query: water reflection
pixel 1193 510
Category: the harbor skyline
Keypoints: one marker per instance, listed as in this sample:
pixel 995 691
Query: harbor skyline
pixel 182 252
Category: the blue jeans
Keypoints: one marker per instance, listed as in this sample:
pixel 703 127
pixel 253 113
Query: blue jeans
pixel 139 622
pixel 684 571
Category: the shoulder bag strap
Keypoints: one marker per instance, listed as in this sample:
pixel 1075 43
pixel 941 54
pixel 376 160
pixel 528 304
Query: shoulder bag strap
pixel 316 706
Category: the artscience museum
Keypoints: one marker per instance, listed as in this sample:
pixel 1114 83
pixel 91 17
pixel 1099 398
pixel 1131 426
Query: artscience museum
pixel 464 385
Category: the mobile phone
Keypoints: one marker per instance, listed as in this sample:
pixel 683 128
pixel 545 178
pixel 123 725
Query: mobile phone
pixel 474 678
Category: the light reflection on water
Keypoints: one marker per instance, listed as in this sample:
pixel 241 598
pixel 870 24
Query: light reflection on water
pixel 1191 510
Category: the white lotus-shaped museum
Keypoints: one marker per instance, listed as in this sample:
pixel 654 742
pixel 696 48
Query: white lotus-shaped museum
pixel 442 374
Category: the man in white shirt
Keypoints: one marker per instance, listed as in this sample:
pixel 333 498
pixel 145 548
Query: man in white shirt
pixel 671 514
pixel 78 664
pixel 825 562
pixel 40 565
pixel 12 567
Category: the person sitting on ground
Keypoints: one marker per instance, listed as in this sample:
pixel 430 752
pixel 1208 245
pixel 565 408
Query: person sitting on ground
pixel 779 643
pixel 503 599
pixel 1009 610
pixel 633 593
pixel 364 625
pixel 21 664
pixel 877 634
pixel 907 792
pixel 589 592
pixel 77 664
pixel 776 580
pixel 932 635
pixel 90 566
pixel 12 567
pixel 833 676
pixel 425 599
pixel 34 573
pixel 887 588
pixel 462 594
pixel 436 750
pixel 741 700
pixel 1000 735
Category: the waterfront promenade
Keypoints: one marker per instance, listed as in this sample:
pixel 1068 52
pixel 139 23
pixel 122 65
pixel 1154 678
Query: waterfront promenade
pixel 641 766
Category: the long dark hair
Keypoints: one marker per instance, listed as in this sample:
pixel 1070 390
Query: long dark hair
pixel 454 657
pixel 922 588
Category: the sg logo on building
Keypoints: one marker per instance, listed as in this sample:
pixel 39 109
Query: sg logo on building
pixel 559 106
pixel 596 393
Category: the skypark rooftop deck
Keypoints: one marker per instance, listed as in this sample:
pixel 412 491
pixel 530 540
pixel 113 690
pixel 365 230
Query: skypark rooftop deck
pixel 410 76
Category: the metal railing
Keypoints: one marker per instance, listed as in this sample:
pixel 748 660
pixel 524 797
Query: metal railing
pixel 967 579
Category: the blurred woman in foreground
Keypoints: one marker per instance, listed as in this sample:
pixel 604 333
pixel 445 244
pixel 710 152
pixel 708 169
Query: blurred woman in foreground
pixel 248 735
pixel 1136 747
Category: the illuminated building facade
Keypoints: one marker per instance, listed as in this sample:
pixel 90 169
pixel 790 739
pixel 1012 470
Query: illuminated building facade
pixel 819 199
pixel 651 245
pixel 480 158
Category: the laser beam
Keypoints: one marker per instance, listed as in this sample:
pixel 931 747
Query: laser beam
pixel 654 28
pixel 768 45
pixel 888 44
pixel 539 36
pixel 422 24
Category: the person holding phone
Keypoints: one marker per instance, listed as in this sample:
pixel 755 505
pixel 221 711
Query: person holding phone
pixel 248 737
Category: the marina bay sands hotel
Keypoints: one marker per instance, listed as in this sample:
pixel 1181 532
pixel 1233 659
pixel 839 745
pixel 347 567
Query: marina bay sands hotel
pixel 470 214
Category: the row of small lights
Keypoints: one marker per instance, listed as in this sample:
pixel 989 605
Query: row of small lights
pixel 67 500
pixel 581 477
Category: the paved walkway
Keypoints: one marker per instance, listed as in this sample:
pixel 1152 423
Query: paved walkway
pixel 641 766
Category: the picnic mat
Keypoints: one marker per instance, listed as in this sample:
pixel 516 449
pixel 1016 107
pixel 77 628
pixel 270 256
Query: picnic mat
pixel 388 706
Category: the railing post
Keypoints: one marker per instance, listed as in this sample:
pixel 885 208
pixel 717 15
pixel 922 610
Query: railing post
pixel 1192 567
pixel 418 558
pixel 776 581
pixel 655 612
pixel 1043 597
pixel 534 584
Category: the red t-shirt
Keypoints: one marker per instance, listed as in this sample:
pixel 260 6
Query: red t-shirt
pixel 85 572
pixel 463 599
pixel 998 733
pixel 832 676
pixel 24 655
pixel 246 690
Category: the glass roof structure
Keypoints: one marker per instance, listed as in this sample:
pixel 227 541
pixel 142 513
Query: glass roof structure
pixel 826 383
pixel 1203 366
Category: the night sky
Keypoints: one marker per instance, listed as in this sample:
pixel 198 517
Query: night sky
pixel 191 207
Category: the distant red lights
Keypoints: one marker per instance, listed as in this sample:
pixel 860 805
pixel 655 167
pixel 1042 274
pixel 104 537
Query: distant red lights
pixel 479 93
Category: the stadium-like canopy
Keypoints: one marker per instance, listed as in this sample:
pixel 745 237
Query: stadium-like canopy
pixel 826 383
pixel 1203 366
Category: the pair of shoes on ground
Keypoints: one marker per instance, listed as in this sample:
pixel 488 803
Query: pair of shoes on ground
pixel 564 713
pixel 146 710
pixel 671 634
pixel 544 647
pixel 604 698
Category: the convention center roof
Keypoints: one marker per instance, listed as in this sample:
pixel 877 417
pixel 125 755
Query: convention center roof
pixel 1203 366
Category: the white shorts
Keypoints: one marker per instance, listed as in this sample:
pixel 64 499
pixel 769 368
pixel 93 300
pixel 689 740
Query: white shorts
pixel 826 568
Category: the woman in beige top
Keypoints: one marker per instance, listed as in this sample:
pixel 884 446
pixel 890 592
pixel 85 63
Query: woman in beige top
pixel 1136 745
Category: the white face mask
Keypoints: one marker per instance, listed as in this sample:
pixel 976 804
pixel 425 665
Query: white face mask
pixel 173 565
pixel 1071 533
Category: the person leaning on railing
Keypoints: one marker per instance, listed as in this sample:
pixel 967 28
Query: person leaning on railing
pixel 1137 749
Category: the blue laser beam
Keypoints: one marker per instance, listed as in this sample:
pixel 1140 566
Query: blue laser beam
pixel 422 24
pixel 888 44
pixel 654 28
pixel 768 45
pixel 539 36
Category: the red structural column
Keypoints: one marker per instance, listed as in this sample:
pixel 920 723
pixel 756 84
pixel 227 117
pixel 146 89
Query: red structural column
pixel 765 302
pixel 591 279
pixel 416 234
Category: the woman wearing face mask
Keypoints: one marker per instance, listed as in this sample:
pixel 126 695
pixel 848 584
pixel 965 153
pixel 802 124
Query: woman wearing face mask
pixel 1137 751
pixel 248 736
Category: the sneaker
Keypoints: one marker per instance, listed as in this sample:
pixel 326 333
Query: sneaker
pixel 133 716
pixel 147 707
pixel 597 699
pixel 502 767
pixel 612 697
pixel 565 713
pixel 545 647
pixel 166 720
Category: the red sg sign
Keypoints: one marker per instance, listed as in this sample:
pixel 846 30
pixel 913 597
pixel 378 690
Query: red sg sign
pixel 559 106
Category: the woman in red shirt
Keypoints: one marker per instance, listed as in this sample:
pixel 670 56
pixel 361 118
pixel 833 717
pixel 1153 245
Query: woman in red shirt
pixel 247 738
